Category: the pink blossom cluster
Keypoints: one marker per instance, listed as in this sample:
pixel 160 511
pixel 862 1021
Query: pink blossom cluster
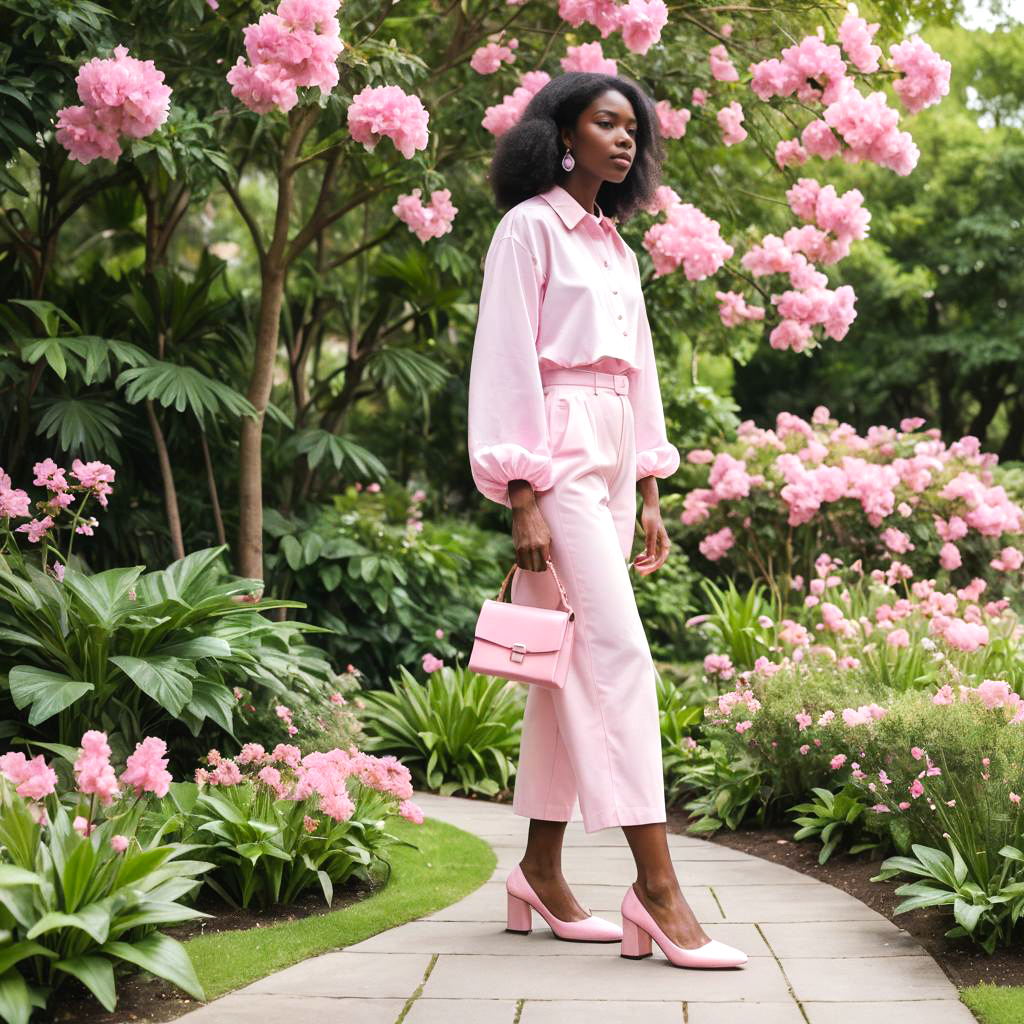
pixel 94 480
pixel 121 96
pixel 925 74
pixel 146 769
pixel 639 21
pixel 385 110
pixel 430 221
pixel 431 663
pixel 671 123
pixel 589 57
pixel 94 773
pixel 298 44
pixel 688 238
pixel 487 59
pixel 856 35
pixel 33 779
pixel 502 116
pixel 290 775
pixel 733 309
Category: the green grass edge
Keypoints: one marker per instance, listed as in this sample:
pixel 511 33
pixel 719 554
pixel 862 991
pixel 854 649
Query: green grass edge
pixel 995 1004
pixel 449 863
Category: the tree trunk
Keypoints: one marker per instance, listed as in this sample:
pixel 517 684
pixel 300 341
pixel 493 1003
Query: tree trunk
pixel 250 449
pixel 211 483
pixel 170 494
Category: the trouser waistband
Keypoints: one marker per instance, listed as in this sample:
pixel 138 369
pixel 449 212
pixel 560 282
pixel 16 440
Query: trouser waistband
pixel 617 382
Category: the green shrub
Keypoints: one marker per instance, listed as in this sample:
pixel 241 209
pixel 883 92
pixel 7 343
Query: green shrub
pixel 458 733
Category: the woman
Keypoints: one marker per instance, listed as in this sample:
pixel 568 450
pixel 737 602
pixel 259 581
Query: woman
pixel 565 426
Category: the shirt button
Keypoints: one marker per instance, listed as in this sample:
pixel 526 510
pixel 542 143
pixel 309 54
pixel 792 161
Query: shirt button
pixel 615 291
pixel 620 316
pixel 606 263
pixel 624 333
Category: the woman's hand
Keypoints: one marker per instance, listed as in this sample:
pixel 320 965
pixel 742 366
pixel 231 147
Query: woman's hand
pixel 656 542
pixel 530 534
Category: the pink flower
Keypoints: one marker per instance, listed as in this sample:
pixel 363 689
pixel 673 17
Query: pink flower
pixel 1008 560
pixel 698 97
pixel 719 664
pixel 641 23
pixel 119 843
pixel 33 779
pixel 225 774
pixel 283 712
pixel 93 770
pixel 430 221
pixel 385 110
pixel 730 121
pixel 502 116
pixel 252 753
pixel 916 753
pixel 286 753
pixel 120 96
pixel 925 74
pixel 487 59
pixel 671 123
pixel 904 804
pixel 309 824
pixel 411 812
pixel 804 748
pixel 83 826
pixel 898 638
pixel 146 769
pixel 36 528
pixel 1014 797
pixel 687 238
pixel 715 545
pixel 965 636
pixel 790 152
pixel 884 779
pixel 743 726
pixel 855 35
pixel 337 698
pixel 837 762
pixel 949 556
pixel 97 476
pixel 588 57
pixel 916 789
pixel 802 720
pixel 431 663
pixel 722 69
pixel 49 475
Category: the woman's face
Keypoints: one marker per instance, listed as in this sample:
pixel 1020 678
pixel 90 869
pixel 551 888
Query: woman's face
pixel 605 131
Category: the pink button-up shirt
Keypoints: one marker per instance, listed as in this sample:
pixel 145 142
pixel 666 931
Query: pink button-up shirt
pixel 560 288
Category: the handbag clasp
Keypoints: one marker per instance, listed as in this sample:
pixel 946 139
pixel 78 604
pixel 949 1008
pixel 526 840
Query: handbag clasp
pixel 517 652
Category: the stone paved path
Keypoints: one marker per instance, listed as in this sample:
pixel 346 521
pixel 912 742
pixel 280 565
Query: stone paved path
pixel 817 955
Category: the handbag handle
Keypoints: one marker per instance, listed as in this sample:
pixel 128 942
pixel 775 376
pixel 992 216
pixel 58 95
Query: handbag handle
pixel 561 589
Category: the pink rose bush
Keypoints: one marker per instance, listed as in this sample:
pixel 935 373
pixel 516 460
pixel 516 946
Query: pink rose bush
pixel 897 504
pixel 430 221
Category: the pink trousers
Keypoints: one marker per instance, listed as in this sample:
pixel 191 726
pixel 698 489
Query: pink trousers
pixel 598 738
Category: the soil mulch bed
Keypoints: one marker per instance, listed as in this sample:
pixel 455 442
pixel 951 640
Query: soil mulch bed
pixel 142 997
pixel 964 963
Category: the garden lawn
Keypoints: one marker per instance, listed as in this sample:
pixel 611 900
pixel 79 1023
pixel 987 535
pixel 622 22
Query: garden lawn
pixel 449 864
pixel 993 1004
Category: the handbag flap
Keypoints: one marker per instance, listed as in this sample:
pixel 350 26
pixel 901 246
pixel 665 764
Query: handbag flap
pixel 540 629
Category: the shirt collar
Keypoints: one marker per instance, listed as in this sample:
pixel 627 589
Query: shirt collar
pixel 571 212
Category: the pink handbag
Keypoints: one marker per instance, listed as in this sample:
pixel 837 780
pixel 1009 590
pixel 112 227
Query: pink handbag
pixel 524 643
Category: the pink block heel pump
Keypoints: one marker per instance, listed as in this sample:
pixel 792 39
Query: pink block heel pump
pixel 638 928
pixel 522 901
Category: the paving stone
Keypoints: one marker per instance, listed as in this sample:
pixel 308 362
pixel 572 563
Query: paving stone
pixel 791 903
pixel 490 938
pixel 345 973
pixel 827 979
pixel 614 978
pixel 924 1011
pixel 745 1013
pixel 590 1011
pixel 840 938
pixel 245 1009
pixel 456 1011
pixel 490 903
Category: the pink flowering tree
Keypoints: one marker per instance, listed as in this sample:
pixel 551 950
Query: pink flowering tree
pixel 350 162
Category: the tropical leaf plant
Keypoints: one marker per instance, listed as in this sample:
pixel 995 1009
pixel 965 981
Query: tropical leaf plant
pixel 835 819
pixel 458 733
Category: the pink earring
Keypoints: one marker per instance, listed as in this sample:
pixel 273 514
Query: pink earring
pixel 568 163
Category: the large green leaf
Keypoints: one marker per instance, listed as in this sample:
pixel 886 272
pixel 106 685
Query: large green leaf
pixel 96 973
pixel 160 955
pixel 167 680
pixel 15 999
pixel 99 598
pixel 46 692
pixel 184 388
